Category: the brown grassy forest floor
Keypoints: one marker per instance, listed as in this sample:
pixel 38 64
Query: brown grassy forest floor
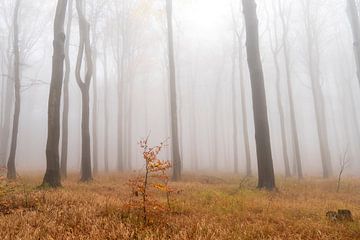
pixel 207 208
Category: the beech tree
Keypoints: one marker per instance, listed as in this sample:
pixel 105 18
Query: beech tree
pixel 262 135
pixel 84 85
pixel 173 96
pixel 11 173
pixel 313 64
pixel 7 94
pixel 276 47
pixel 65 117
pixel 353 15
pixel 284 17
pixel 52 174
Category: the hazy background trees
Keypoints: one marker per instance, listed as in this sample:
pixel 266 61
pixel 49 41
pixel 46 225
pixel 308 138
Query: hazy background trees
pixel 310 83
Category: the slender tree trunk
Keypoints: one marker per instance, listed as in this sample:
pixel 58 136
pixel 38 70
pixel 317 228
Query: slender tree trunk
pixel 6 123
pixel 244 108
pixel 234 111
pixel 120 94
pixel 65 117
pixel 95 99
pixel 353 15
pixel 52 175
pixel 173 97
pixel 240 36
pixel 215 117
pixel 282 118
pixel 7 110
pixel 11 173
pixel 129 124
pixel 84 29
pixel 106 114
pixel 193 124
pixel 276 48
pixel 294 133
pixel 318 96
pixel 262 135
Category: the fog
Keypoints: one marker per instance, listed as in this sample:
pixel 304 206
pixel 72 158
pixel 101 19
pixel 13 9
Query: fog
pixel 129 40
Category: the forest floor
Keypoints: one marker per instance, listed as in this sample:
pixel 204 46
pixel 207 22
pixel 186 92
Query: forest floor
pixel 206 208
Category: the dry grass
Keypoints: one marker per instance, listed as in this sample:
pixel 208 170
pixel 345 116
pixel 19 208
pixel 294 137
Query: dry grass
pixel 207 208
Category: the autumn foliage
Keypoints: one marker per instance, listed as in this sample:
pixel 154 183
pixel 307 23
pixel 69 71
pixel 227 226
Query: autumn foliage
pixel 150 183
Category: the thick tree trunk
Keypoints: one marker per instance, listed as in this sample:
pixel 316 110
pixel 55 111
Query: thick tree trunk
pixel 65 117
pixel 173 97
pixel 11 171
pixel 353 15
pixel 52 175
pixel 84 29
pixel 262 136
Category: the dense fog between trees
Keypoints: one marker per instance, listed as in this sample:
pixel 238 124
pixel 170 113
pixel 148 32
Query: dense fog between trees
pixel 306 49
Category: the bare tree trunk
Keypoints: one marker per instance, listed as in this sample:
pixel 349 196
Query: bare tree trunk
pixel 11 170
pixel 173 97
pixel 243 107
pixel 106 114
pixel 84 29
pixel 262 136
pixel 353 15
pixel 234 111
pixel 282 119
pixel 7 109
pixel 120 93
pixel 52 175
pixel 129 123
pixel 319 102
pixel 95 98
pixel 295 137
pixel 65 117
pixel 215 117
pixel 193 126
pixel 276 48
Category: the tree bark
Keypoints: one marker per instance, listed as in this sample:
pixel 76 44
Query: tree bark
pixel 65 117
pixel 173 97
pixel 106 115
pixel 234 110
pixel 276 48
pixel 244 108
pixel 262 136
pixel 11 170
pixel 295 137
pixel 353 15
pixel 84 29
pixel 52 175
pixel 7 110
pixel 95 96
pixel 318 96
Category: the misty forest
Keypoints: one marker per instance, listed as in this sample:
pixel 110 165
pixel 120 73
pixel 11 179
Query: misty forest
pixel 180 119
